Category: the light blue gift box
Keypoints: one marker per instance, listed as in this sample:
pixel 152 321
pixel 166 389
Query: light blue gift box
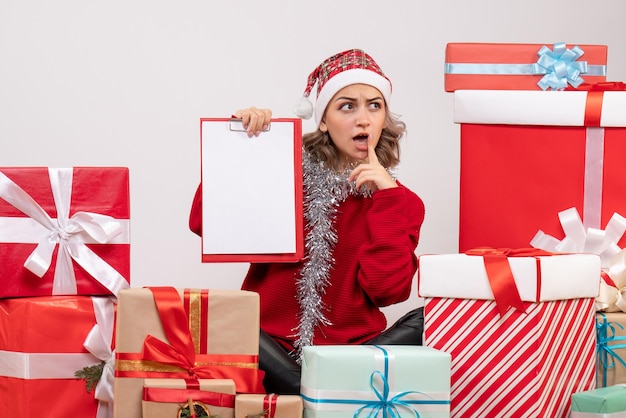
pixel 608 402
pixel 348 381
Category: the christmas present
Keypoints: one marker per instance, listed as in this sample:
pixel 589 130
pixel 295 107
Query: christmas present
pixel 64 231
pixel 171 398
pixel 41 356
pixel 346 380
pixel 268 406
pixel 611 348
pixel 609 402
pixel 493 66
pixel 520 328
pixel 163 332
pixel 539 166
pixel 612 296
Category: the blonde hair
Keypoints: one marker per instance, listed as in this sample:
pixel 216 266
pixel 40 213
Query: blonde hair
pixel 320 145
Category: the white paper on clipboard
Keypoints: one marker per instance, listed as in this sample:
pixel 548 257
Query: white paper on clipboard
pixel 249 189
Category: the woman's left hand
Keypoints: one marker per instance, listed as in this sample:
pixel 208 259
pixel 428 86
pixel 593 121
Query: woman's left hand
pixel 372 174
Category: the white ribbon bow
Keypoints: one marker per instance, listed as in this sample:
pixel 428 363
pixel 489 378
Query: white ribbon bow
pixel 595 241
pixel 69 233
pixel 579 239
pixel 98 343
pixel 613 298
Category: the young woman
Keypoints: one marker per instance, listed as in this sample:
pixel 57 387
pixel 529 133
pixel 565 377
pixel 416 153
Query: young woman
pixel 361 225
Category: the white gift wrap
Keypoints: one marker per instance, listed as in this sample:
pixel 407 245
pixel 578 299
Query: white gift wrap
pixel 340 380
pixel 528 107
pixel 538 279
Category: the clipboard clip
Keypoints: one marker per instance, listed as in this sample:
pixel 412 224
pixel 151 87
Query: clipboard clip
pixel 236 125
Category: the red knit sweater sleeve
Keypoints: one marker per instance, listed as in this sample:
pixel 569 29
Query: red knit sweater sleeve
pixel 388 262
pixel 195 214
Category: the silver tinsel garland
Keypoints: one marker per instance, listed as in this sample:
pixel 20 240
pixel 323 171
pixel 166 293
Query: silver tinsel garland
pixel 324 190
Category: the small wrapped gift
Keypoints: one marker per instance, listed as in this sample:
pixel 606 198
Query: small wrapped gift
pixel 611 348
pixel 172 398
pixel 609 402
pixel 268 406
pixel 493 66
pixel 64 231
pixel 346 380
pixel 45 343
pixel 520 328
pixel 163 332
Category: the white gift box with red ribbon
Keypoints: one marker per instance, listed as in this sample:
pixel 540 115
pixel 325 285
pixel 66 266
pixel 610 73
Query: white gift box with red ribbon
pixel 520 358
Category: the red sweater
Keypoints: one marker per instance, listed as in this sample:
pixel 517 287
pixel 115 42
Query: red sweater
pixel 375 263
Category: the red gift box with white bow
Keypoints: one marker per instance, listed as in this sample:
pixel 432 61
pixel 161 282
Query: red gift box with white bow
pixel 44 341
pixel 543 169
pixel 64 231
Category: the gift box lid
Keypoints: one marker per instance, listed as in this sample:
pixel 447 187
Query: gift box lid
pixel 538 279
pixel 521 107
pixel 603 400
pixel 522 66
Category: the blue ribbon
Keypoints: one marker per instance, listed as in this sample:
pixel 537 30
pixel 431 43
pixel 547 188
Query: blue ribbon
pixel 558 67
pixel 388 406
pixel 605 333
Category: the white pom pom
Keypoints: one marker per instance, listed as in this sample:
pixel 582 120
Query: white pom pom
pixel 303 108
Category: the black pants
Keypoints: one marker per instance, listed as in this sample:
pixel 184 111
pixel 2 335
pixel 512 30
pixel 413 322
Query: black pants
pixel 282 372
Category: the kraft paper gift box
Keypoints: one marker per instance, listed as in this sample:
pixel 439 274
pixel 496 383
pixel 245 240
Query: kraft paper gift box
pixel 507 362
pixel 611 348
pixel 64 231
pixel 44 341
pixel 164 398
pixel 543 166
pixel 504 66
pixel 268 406
pixel 344 381
pixel 163 332
pixel 609 402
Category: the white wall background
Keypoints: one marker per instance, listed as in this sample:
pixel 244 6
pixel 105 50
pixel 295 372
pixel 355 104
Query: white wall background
pixel 124 83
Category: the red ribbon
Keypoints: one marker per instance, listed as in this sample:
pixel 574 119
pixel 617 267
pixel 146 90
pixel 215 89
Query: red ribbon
pixel 224 400
pixel 180 352
pixel 595 96
pixel 500 276
pixel 269 404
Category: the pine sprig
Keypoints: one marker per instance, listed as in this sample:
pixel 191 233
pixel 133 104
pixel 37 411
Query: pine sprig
pixel 259 415
pixel 91 375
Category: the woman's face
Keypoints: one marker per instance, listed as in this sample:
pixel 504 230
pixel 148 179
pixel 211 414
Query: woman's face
pixel 355 115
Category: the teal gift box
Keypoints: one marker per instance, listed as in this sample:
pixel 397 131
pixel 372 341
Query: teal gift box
pixel 343 381
pixel 608 402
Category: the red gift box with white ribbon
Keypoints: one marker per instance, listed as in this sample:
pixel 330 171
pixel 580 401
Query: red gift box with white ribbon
pixel 44 341
pixel 528 156
pixel 64 231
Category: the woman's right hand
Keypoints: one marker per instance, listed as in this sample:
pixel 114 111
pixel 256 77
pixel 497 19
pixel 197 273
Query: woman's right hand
pixel 254 120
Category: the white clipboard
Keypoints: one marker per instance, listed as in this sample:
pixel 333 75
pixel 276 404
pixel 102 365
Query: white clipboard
pixel 251 191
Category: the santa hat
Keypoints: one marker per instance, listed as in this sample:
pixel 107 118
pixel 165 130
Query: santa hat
pixel 353 66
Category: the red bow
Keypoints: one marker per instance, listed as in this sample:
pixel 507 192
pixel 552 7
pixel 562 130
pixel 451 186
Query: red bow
pixel 180 350
pixel 500 275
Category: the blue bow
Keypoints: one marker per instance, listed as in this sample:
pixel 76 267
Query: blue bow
pixel 385 405
pixel 605 333
pixel 560 67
